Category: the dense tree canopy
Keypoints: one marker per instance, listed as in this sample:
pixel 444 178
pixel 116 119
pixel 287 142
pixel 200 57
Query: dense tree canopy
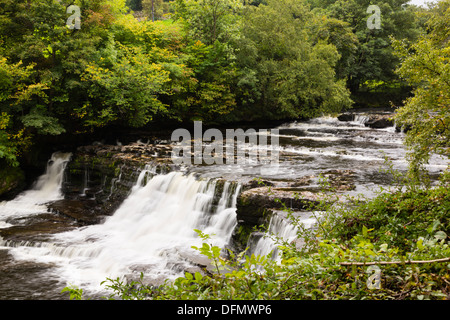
pixel 289 71
pixel 426 66
pixel 210 60
pixel 372 60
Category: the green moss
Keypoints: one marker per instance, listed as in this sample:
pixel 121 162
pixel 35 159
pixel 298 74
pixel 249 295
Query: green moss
pixel 11 179
pixel 241 235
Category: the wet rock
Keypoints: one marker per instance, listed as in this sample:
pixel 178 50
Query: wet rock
pixel 340 180
pixel 84 212
pixel 346 117
pixel 372 120
pixel 379 121
pixel 107 173
pixel 12 182
pixel 257 184
pixel 303 181
pixel 255 206
pixel 36 228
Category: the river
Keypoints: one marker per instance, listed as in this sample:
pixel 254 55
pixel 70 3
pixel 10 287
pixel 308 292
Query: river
pixel 153 230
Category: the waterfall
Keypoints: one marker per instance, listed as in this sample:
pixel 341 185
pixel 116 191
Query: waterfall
pixel 265 244
pixel 220 224
pixel 280 231
pixel 151 232
pixel 360 118
pixel 47 188
pixel 115 181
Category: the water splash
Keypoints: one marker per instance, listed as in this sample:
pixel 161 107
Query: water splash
pixel 47 188
pixel 279 230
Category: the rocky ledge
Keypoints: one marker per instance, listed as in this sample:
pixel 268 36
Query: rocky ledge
pixel 260 200
pixel 375 121
pixel 256 205
pixel 12 182
pixel 100 177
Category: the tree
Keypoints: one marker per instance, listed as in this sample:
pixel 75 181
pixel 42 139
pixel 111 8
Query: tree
pixel 125 93
pixel 425 65
pixel 340 34
pixel 373 59
pixel 42 63
pixel 155 9
pixel 287 70
pixel 210 20
pixel 135 5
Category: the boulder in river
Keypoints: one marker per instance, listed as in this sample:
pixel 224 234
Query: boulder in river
pixel 346 117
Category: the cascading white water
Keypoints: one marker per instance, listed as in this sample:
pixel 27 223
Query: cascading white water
pixel 152 231
pixel 220 224
pixel 47 188
pixel 279 230
pixel 360 118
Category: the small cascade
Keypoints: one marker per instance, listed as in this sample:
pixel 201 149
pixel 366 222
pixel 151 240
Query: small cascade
pixel 360 118
pixel 114 183
pixel 47 188
pixel 223 222
pixel 279 230
pixel 85 181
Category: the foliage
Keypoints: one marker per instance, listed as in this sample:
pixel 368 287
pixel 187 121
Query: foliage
pixel 13 138
pixel 126 90
pixel 210 20
pixel 41 64
pixel 288 71
pixel 373 57
pixel 75 293
pixel 217 61
pixel 425 65
pixel 160 8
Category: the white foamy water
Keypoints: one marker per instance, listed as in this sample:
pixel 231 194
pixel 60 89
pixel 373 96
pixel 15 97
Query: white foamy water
pixel 47 188
pixel 328 122
pixel 280 231
pixel 152 231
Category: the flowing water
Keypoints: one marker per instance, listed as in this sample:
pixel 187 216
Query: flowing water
pixel 153 230
pixel 47 188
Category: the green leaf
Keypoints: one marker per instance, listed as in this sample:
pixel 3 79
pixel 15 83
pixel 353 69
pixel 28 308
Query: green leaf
pixel 198 276
pixel 420 245
pixel 364 231
pixel 216 251
pixel 440 235
pixel 43 123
